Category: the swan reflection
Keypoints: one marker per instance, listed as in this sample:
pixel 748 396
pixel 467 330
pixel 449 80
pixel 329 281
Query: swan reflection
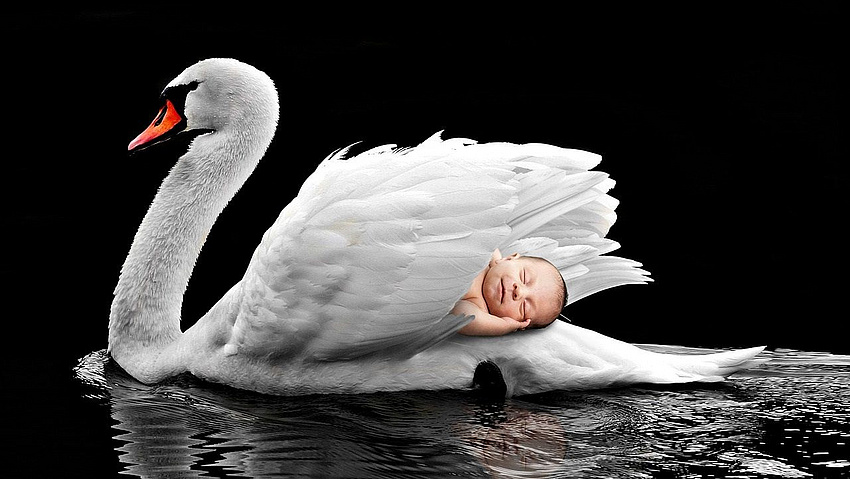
pixel 780 419
pixel 184 427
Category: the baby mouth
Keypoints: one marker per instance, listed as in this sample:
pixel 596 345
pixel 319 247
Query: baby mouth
pixel 502 292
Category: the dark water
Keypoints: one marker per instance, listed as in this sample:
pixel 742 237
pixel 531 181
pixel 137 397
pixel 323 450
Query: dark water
pixel 788 418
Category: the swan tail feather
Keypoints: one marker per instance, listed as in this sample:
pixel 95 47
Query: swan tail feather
pixel 718 366
pixel 581 359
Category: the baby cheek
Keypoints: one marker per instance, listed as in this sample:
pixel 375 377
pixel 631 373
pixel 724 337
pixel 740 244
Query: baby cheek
pixel 496 309
pixel 487 292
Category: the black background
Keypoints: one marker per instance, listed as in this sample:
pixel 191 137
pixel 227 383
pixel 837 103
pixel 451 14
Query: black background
pixel 720 125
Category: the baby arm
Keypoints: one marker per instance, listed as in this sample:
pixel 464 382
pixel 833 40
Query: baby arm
pixel 484 323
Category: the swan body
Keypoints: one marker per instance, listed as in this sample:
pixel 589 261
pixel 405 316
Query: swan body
pixel 351 287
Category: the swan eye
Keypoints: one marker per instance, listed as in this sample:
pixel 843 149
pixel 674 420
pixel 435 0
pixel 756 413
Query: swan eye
pixel 177 93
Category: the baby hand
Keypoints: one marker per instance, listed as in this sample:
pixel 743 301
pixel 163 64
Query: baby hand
pixel 512 324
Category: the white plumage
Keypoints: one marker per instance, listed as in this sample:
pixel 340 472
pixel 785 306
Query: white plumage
pixel 350 289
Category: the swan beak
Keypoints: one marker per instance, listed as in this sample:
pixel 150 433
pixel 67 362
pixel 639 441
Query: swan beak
pixel 165 121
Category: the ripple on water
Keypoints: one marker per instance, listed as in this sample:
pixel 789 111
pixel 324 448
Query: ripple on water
pixel 789 418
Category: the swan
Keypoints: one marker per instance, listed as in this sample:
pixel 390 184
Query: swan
pixel 350 288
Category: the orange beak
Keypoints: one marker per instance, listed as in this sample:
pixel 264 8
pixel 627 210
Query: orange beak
pixel 164 122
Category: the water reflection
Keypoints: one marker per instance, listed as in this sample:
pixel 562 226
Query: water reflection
pixel 788 419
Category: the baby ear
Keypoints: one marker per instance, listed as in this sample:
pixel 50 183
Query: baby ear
pixel 495 257
pixel 507 258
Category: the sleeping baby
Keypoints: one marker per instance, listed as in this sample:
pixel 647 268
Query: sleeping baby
pixel 512 293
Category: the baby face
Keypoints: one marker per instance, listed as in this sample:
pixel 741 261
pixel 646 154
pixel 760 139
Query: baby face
pixel 523 288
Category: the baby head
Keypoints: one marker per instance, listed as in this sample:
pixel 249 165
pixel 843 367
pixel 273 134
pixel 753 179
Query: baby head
pixel 524 287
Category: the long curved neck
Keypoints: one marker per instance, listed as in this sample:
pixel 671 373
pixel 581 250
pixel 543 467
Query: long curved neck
pixel 145 313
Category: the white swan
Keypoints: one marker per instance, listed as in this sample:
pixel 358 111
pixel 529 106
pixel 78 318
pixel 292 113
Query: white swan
pixel 349 290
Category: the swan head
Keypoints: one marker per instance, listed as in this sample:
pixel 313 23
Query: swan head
pixel 211 96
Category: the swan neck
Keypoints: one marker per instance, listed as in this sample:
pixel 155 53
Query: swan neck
pixel 148 298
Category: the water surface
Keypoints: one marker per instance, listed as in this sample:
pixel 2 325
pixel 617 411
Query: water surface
pixel 788 418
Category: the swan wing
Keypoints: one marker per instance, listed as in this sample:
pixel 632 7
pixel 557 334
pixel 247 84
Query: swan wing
pixel 376 249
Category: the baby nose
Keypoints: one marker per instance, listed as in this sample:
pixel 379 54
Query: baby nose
pixel 518 292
